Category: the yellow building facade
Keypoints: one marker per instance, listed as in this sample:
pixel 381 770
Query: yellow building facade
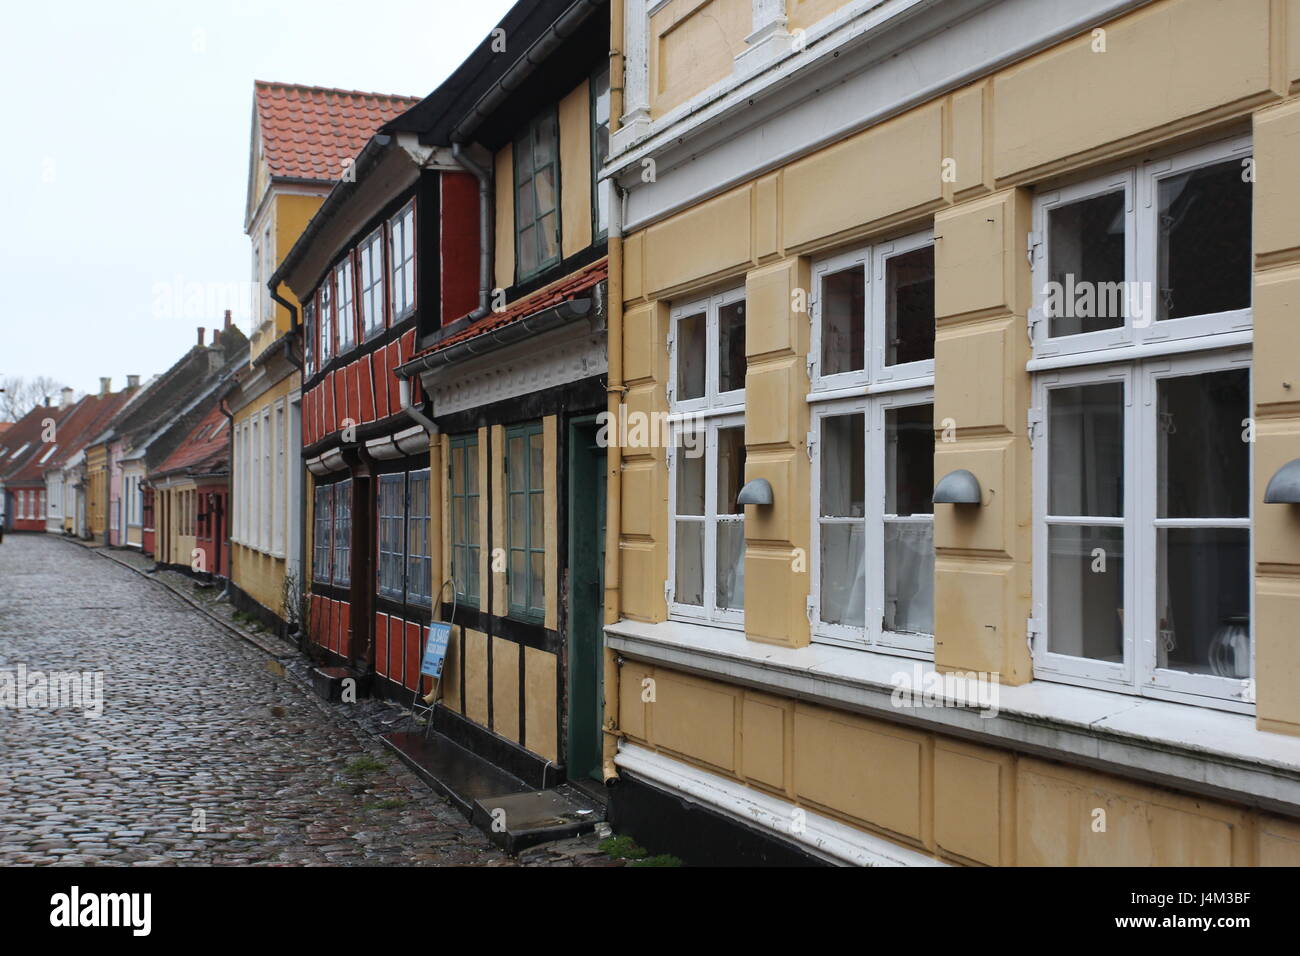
pixel 797 182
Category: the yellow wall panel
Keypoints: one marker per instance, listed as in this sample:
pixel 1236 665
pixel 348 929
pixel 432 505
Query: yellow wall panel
pixel 975 260
pixel 632 708
pixel 866 769
pixel 645 498
pixel 504 178
pixel 974 364
pixel 802 14
pixel 644 343
pixel 700 242
pixel 776 596
pixel 967 148
pixel 539 703
pixel 1154 72
pixel 1277 655
pixel 692 46
pixel 763 743
pixel 644 570
pixel 696 719
pixel 971 802
pixel 973 629
pixel 575 170
pixel 825 194
pixel 476 682
pixel 505 688
pixel 1279 842
pixel 1277 338
pixel 1277 195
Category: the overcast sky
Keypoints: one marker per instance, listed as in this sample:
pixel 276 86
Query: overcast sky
pixel 125 165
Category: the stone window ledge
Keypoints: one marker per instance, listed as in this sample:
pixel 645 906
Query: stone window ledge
pixel 1209 752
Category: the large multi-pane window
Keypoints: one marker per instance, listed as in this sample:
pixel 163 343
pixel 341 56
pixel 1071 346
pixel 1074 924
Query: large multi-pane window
pixel 401 253
pixel 707 457
pixel 537 195
pixel 345 311
pixel 392 534
pixel 405 571
pixel 872 445
pixel 323 534
pixel 1141 430
pixel 370 255
pixel 599 150
pixel 463 496
pixel 343 533
pixel 525 521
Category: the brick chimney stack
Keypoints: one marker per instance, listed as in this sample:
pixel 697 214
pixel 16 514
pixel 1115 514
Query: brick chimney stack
pixel 227 318
pixel 202 334
pixel 105 385
pixel 133 381
pixel 216 338
pixel 66 398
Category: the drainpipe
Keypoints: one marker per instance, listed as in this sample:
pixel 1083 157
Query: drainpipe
pixel 484 178
pixel 230 485
pixel 614 391
pixel 614 485
pixel 298 359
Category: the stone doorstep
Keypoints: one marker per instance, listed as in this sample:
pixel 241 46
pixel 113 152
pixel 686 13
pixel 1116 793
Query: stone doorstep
pixel 477 788
pixel 328 683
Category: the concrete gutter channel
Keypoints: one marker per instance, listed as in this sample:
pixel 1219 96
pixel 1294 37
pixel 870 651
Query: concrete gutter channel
pixel 555 825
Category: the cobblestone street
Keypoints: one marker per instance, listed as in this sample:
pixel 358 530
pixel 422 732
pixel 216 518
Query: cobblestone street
pixel 197 728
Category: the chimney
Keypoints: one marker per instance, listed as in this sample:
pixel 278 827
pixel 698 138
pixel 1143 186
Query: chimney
pixel 105 386
pixel 216 338
pixel 202 333
pixel 66 398
pixel 133 381
pixel 227 318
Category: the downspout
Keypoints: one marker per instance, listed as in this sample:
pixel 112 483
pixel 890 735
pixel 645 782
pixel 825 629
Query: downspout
pixel 484 230
pixel 230 554
pixel 299 362
pixel 615 391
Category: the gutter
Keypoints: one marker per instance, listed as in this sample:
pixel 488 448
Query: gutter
pixel 563 313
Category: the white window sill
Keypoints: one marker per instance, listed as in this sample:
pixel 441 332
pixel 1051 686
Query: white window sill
pixel 1192 748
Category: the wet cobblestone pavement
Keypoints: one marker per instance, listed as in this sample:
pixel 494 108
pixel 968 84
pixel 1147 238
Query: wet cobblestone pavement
pixel 207 752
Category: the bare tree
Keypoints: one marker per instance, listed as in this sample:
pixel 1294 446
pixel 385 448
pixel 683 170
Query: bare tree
pixel 18 395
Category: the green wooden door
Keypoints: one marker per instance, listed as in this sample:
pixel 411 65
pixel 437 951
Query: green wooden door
pixel 586 598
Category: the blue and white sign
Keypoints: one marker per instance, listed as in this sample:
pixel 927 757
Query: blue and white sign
pixel 435 650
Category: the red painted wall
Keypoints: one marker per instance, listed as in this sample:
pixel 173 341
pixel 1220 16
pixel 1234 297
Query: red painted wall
pixel 459 242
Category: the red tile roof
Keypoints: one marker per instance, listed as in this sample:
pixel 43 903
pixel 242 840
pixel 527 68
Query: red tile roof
pixel 204 451
pixel 308 131
pixel 570 287
pixel 24 444
pixel 87 420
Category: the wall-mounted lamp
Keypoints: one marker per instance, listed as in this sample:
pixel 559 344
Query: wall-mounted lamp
pixel 1284 486
pixel 756 492
pixel 958 487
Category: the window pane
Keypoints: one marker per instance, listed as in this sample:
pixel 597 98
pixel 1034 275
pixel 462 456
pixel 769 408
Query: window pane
pixel 528 250
pixel 536 513
pixel 843 466
pixel 1086 591
pixel 547 237
pixel 458 470
pixel 544 183
pixel 536 459
pixel 1203 463
pixel 909 460
pixel 731 347
pixel 1085 469
pixel 1085 243
pixel 1203 601
pixel 731 565
pixel 690 478
pixel 689 557
pixel 518 579
pixel 909 307
pixel 843 316
pixel 518 521
pixel 545 141
pixel 843 574
pixel 731 469
pixel 909 577
pixel 516 463
pixel 524 208
pixel 537 600
pixel 691 352
pixel 1204 249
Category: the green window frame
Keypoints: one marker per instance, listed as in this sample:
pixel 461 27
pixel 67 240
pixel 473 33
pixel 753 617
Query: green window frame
pixel 525 521
pixel 537 195
pixel 463 493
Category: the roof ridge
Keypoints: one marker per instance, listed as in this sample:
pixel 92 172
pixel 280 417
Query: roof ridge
pixel 307 87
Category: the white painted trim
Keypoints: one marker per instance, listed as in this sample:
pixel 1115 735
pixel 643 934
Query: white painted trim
pixel 823 837
pixel 850 77
pixel 1195 749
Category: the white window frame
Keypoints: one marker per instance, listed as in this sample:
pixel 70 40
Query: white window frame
pixel 1139 673
pixel 1141 235
pixel 709 611
pixel 370 255
pixel 401 255
pixel 874 374
pixel 712 400
pixel 278 509
pixel 873 635
pixel 265 482
pixel 713 411
pixel 345 312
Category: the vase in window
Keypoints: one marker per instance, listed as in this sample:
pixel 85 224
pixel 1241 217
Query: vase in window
pixel 1230 648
